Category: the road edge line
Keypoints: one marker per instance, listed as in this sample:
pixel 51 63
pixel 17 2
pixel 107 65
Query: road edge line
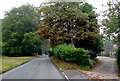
pixel 60 69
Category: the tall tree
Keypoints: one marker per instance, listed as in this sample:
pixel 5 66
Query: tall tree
pixel 66 22
pixel 16 24
pixel 22 19
pixel 70 22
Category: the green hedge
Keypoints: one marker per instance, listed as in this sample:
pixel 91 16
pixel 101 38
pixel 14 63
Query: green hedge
pixel 118 58
pixel 107 54
pixel 71 54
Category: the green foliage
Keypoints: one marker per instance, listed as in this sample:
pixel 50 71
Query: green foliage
pixel 87 8
pixel 0 36
pixel 21 20
pixel 11 46
pixel 17 31
pixel 71 54
pixel 30 44
pixel 27 46
pixel 107 54
pixel 118 58
pixel 93 44
pixel 112 23
pixel 70 23
pixel 65 22
pixel 92 54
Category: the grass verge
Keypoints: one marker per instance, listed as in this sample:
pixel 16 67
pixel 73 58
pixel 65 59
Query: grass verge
pixel 69 66
pixel 116 69
pixel 118 74
pixel 24 57
pixel 8 64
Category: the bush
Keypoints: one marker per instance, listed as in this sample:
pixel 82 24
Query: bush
pixel 92 54
pixel 27 46
pixel 93 44
pixel 107 54
pixel 71 54
pixel 118 58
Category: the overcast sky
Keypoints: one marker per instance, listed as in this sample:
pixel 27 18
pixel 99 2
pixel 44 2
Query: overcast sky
pixel 6 5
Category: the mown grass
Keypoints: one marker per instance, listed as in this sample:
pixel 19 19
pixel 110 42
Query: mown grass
pixel 69 66
pixel 24 57
pixel 8 64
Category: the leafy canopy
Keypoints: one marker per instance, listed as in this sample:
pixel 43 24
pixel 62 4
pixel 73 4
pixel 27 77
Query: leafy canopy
pixel 17 27
pixel 66 22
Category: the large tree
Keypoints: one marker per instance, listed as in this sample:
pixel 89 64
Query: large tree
pixel 70 22
pixel 16 24
pixel 66 22
pixel 22 19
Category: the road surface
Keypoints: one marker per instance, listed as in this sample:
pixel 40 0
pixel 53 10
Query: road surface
pixel 39 68
pixel 76 74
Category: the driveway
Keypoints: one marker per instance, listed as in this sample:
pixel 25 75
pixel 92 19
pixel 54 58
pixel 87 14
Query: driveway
pixel 39 68
pixel 106 67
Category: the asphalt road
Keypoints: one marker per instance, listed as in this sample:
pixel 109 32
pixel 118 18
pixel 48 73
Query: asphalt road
pixel 39 68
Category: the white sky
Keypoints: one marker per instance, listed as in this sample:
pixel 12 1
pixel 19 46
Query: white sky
pixel 6 5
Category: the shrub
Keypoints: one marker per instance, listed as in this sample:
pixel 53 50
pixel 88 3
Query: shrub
pixel 93 44
pixel 92 54
pixel 118 58
pixel 107 54
pixel 71 54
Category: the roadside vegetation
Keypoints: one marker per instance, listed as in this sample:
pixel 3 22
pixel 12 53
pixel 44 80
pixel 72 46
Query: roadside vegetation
pixel 8 64
pixel 68 54
pixel 118 60
pixel 69 65
pixel 22 57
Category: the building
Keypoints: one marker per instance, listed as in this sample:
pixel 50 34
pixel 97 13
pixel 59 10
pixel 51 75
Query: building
pixel 113 49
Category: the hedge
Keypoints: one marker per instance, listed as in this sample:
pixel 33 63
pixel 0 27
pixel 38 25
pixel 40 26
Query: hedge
pixel 118 58
pixel 71 54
